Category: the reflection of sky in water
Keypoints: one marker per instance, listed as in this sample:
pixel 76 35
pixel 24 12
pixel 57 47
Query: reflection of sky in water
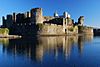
pixel 0 49
pixel 51 52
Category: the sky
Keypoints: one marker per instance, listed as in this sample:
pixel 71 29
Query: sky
pixel 90 9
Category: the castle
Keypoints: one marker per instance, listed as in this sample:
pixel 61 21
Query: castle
pixel 34 23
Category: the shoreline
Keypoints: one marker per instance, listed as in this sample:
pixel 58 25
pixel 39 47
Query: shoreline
pixel 44 35
pixel 10 36
pixel 63 34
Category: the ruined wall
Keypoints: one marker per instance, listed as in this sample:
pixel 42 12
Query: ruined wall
pixel 47 18
pixel 85 30
pixel 88 30
pixel 52 29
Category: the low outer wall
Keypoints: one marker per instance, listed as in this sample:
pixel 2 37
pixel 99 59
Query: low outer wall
pixel 51 30
pixel 85 30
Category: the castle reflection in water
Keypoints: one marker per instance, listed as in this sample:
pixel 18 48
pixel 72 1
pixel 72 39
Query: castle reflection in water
pixel 36 48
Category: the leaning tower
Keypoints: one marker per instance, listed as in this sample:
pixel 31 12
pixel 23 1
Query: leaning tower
pixel 36 15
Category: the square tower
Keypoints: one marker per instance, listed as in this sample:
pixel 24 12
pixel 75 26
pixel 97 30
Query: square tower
pixel 36 15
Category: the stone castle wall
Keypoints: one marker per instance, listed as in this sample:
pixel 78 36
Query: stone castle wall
pixel 85 30
pixel 88 31
pixel 52 29
pixel 47 18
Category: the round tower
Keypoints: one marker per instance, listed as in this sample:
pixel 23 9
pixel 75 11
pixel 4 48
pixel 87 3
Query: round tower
pixel 69 16
pixel 65 14
pixel 56 14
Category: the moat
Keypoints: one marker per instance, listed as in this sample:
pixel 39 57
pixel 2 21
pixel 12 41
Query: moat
pixel 55 51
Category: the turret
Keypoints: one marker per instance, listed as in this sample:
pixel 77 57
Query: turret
pixel 4 21
pixel 56 14
pixel 14 17
pixel 68 16
pixel 65 14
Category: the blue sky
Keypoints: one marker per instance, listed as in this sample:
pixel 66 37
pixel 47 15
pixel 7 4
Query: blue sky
pixel 88 8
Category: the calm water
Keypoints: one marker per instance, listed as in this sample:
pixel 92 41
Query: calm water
pixel 70 51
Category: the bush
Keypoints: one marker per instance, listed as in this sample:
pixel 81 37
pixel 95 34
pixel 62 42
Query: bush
pixel 4 31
